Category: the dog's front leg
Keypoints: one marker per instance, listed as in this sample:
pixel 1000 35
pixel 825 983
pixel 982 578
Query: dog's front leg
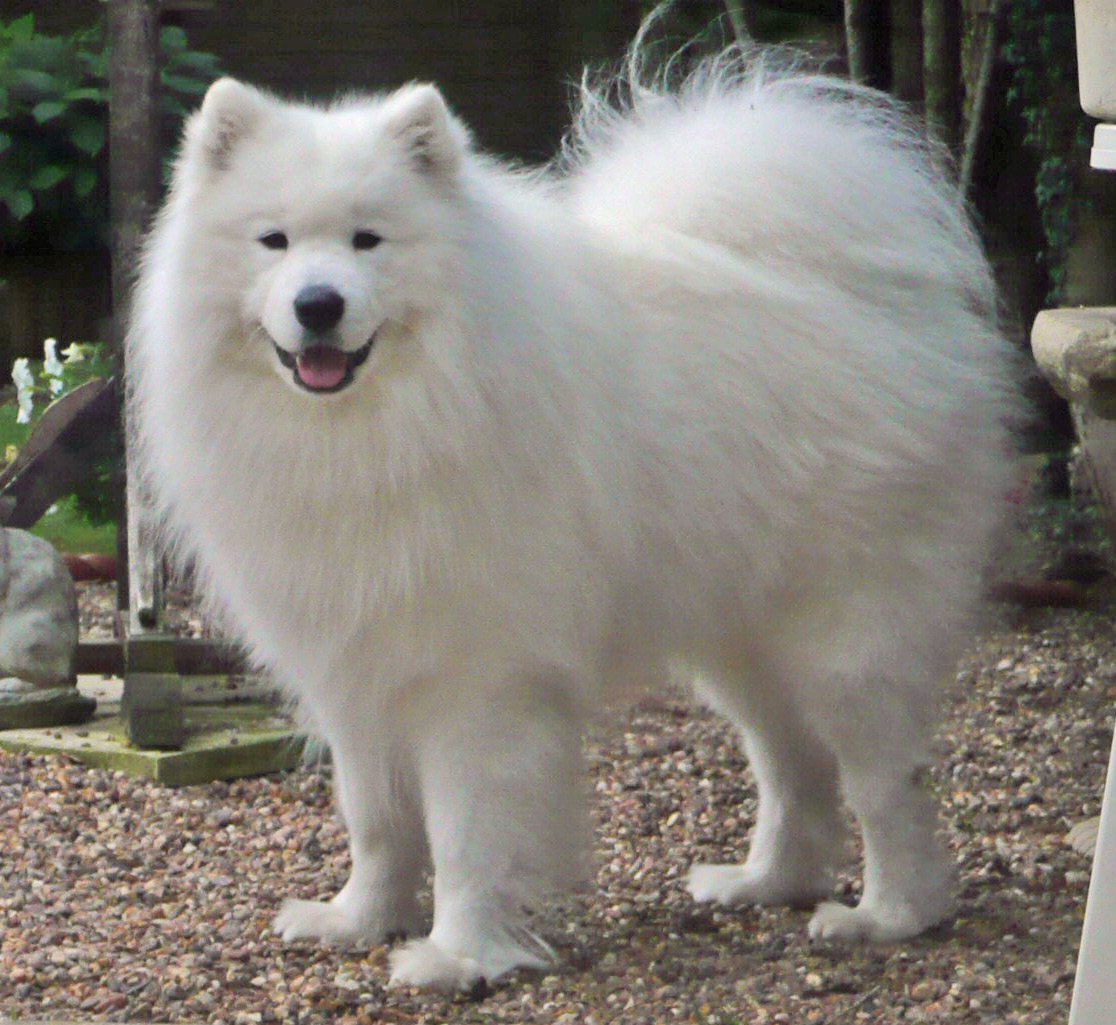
pixel 387 843
pixel 499 770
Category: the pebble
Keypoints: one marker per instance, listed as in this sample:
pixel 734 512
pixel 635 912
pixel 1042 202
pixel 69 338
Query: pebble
pixel 124 900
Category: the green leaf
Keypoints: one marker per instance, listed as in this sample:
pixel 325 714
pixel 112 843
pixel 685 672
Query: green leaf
pixel 87 93
pixel 48 110
pixel 22 29
pixel 88 135
pixel 85 180
pixel 33 84
pixel 47 177
pixel 20 203
pixel 182 84
pixel 197 62
pixel 173 106
pixel 172 37
pixel 5 141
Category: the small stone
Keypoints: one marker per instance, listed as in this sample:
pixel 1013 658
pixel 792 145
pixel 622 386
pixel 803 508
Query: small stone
pixel 928 989
pixel 38 612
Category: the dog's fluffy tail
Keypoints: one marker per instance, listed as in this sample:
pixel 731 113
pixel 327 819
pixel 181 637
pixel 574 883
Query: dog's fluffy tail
pixel 752 151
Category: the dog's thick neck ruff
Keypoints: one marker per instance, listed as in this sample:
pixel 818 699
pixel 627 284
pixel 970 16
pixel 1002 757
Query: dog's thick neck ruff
pixel 324 369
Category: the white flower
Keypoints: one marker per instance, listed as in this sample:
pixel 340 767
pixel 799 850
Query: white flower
pixel 21 373
pixel 74 352
pixel 52 365
pixel 25 389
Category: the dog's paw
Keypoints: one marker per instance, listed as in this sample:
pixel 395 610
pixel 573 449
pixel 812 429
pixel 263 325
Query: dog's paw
pixel 423 963
pixel 740 884
pixel 337 921
pixel 316 920
pixel 835 922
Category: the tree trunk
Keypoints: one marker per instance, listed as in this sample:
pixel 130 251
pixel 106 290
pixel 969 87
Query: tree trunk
pixel 941 68
pixel 985 106
pixel 134 170
pixel 134 173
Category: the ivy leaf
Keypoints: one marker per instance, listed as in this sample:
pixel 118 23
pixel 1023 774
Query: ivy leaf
pixel 88 135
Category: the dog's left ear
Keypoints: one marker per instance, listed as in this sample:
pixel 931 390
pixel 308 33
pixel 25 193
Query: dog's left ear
pixel 435 140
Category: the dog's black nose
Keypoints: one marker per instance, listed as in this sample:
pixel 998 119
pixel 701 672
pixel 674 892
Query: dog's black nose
pixel 319 307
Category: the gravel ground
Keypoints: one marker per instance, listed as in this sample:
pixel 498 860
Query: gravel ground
pixel 121 900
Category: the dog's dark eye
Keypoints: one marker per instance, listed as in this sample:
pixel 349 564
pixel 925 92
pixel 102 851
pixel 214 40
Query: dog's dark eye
pixel 273 240
pixel 365 240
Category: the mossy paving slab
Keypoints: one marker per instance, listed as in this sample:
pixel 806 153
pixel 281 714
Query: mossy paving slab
pixel 223 742
pixel 42 707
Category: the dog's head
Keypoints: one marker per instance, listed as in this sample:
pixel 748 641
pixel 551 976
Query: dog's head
pixel 327 228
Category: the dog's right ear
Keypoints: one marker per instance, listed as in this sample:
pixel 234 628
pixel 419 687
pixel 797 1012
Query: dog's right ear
pixel 229 113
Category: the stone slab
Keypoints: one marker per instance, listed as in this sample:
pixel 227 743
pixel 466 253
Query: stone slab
pixel 222 742
pixel 47 706
pixel 1076 351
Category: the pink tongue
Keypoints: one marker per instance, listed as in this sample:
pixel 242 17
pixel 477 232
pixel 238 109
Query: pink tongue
pixel 322 366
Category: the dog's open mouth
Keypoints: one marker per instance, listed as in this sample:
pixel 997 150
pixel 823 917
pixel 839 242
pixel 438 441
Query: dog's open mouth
pixel 324 368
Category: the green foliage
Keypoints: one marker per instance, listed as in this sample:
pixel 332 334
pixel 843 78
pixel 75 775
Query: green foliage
pixel 1041 50
pixel 40 382
pixel 69 529
pixel 53 127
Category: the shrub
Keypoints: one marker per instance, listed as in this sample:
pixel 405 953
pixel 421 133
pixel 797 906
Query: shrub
pixel 53 128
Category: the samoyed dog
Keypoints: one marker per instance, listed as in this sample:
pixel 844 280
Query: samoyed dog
pixel 461 451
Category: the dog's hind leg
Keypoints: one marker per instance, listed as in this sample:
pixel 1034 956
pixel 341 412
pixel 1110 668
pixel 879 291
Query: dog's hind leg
pixel 880 734
pixel 799 834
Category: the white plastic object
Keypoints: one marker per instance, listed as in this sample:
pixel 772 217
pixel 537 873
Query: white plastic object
pixel 1094 990
pixel 1096 49
pixel 1104 144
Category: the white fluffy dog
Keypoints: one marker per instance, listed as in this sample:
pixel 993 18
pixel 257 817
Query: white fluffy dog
pixel 458 451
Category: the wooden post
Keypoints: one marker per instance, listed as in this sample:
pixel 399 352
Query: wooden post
pixel 986 106
pixel 867 26
pixel 906 50
pixel 941 70
pixel 134 172
pixel 152 703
